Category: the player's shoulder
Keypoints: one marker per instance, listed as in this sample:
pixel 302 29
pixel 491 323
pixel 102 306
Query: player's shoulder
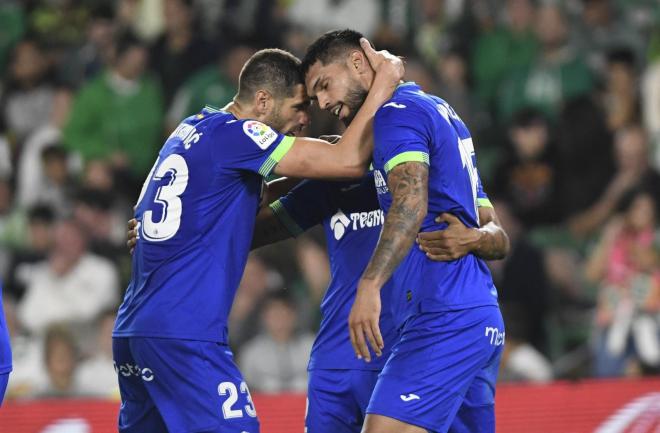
pixel 242 130
pixel 408 101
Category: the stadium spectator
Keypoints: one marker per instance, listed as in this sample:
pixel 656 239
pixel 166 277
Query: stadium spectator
pixel 38 239
pixel 621 97
pixel 71 285
pixel 510 45
pixel 258 280
pixel 555 75
pixel 633 170
pixel 324 15
pixel 29 373
pixel 521 361
pixel 96 375
pixel 61 360
pixel 584 144
pixel 12 222
pixel 529 175
pixel 58 184
pixel 276 359
pixel 29 92
pixel 650 96
pixel 181 50
pixel 117 115
pixel 600 28
pixel 626 267
pixel 522 281
pixel 89 56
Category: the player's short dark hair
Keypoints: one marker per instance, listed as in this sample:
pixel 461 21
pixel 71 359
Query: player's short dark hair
pixel 272 69
pixel 331 47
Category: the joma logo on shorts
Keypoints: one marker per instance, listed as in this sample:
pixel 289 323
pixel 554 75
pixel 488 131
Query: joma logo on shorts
pixel 496 337
pixel 128 370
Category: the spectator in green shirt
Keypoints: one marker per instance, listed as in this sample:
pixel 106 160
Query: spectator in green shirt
pixel 117 116
pixel 510 45
pixel 556 75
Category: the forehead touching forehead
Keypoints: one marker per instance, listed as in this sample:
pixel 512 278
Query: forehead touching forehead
pixel 273 70
pixel 327 54
pixel 299 98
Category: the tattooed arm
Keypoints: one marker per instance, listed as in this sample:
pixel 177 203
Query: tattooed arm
pixel 408 184
pixel 490 241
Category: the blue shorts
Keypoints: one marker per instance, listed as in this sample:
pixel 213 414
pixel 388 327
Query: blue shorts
pixel 442 372
pixel 337 400
pixel 4 379
pixel 180 386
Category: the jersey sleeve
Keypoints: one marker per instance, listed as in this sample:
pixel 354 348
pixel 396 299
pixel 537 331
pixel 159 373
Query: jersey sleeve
pixel 400 136
pixel 305 206
pixel 253 146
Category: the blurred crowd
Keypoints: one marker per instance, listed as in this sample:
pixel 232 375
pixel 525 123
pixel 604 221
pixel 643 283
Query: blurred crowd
pixel 562 99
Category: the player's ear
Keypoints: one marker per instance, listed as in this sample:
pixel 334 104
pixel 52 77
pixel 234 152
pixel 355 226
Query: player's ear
pixel 357 62
pixel 263 102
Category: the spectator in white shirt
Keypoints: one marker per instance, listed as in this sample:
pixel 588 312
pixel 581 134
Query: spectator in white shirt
pixel 71 285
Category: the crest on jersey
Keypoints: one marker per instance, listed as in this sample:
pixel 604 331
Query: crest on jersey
pixel 260 133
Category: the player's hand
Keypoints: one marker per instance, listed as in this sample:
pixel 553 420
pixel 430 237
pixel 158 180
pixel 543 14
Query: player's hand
pixel 363 322
pixel 131 235
pixel 452 243
pixel 384 63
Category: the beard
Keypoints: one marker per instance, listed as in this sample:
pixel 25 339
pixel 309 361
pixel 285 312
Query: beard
pixel 275 120
pixel 354 99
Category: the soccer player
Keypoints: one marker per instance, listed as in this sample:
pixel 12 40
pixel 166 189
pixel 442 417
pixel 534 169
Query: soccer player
pixel 5 352
pixel 441 374
pixel 340 385
pixel 195 215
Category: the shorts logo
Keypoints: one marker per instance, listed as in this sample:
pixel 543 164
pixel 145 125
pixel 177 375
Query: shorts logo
pixel 128 370
pixel 496 336
pixel 261 134
pixel 410 397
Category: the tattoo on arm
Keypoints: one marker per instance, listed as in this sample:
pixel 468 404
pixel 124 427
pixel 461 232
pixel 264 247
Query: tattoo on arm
pixel 494 242
pixel 408 184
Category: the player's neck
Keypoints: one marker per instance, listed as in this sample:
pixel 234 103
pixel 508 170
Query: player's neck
pixel 240 111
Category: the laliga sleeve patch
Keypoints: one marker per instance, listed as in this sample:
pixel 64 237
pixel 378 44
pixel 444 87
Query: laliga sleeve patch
pixel 263 135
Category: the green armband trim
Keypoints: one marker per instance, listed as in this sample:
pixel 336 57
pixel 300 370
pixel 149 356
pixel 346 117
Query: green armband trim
pixel 281 213
pixel 484 202
pixel 276 156
pixel 412 156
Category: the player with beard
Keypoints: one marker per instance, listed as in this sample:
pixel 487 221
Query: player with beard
pixel 340 385
pixel 195 217
pixel 442 370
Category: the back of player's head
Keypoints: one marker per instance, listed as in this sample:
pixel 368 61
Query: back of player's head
pixel 331 47
pixel 274 70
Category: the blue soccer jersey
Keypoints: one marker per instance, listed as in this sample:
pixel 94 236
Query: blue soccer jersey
pixel 414 126
pixel 5 349
pixel 352 221
pixel 196 215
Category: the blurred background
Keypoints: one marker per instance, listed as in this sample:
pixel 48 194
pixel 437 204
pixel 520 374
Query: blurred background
pixel 562 99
